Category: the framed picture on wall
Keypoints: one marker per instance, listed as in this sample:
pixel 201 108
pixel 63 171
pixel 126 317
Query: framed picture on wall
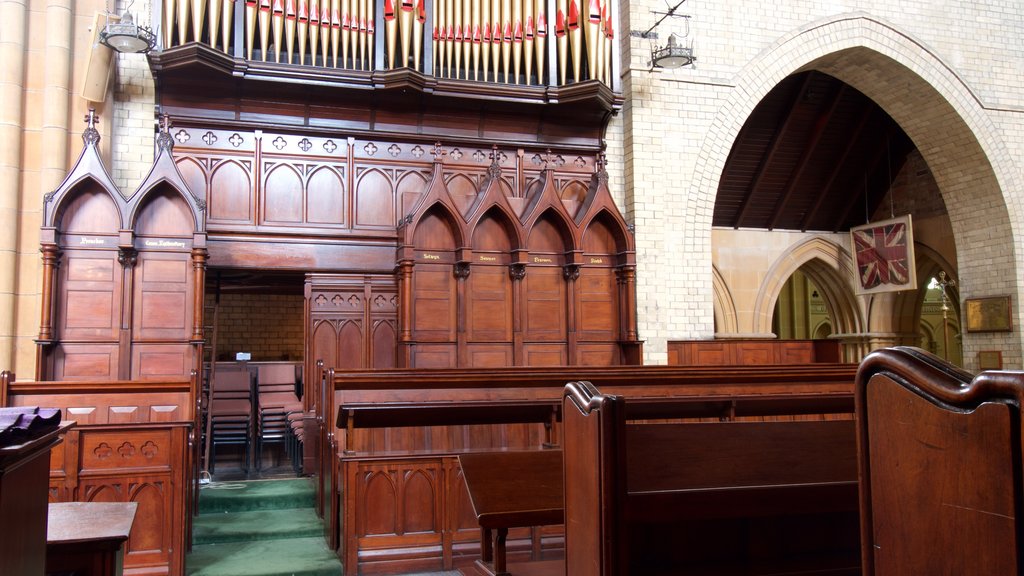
pixel 990 360
pixel 988 314
pixel 884 253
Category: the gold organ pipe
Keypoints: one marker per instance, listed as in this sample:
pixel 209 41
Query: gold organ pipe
pixel 264 27
pixel 391 31
pixel 250 26
pixel 506 36
pixel 457 24
pixel 517 38
pixel 314 30
pixel 169 14
pixel 572 24
pixel 198 19
pixel 485 36
pixel 290 22
pixel 529 33
pixel 183 10
pixel 562 35
pixel 542 36
pixel 302 28
pixel 215 23
pixel 417 33
pixel 277 17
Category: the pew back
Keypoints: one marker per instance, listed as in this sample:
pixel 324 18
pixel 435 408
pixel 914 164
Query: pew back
pixel 940 466
pixel 393 446
pixel 674 476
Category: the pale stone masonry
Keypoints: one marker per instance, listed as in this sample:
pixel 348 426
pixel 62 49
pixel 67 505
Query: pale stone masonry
pixel 949 73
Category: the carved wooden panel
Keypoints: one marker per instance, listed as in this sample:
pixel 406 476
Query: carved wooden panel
pixel 352 320
pixel 230 199
pixel 161 360
pixel 85 361
pixel 325 196
pixel 406 497
pixel 92 211
pixel 163 296
pixel 375 198
pixel 545 314
pixel 598 305
pixel 89 305
pixel 434 303
pixel 489 314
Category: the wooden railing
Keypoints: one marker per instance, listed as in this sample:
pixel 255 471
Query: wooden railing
pixel 524 42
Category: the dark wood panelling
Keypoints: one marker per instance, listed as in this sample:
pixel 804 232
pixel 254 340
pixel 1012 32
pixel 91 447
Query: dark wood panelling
pixel 751 352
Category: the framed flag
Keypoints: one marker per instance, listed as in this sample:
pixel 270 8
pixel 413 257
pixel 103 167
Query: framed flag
pixel 884 253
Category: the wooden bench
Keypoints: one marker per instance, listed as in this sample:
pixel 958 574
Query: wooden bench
pixel 940 465
pixel 405 503
pixel 711 497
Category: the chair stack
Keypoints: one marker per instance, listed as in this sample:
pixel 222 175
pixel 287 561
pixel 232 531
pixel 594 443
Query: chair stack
pixel 230 412
pixel 279 410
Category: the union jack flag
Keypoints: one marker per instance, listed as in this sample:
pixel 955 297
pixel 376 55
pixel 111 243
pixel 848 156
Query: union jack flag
pixel 885 255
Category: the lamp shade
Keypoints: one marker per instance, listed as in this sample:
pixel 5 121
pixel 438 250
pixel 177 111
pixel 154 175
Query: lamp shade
pixel 126 36
pixel 672 55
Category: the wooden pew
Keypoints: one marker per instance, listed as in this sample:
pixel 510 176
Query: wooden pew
pixel 134 441
pixel 772 497
pixel 940 466
pixel 391 526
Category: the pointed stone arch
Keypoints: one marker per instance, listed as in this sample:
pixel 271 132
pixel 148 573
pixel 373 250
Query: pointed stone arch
pixel 829 266
pixel 931 103
pixel 725 307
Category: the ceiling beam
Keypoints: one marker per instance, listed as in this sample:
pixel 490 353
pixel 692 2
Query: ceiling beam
pixel 773 147
pixel 837 167
pixel 805 155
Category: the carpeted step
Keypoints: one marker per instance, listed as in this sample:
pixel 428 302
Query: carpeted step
pixel 219 527
pixel 293 556
pixel 256 495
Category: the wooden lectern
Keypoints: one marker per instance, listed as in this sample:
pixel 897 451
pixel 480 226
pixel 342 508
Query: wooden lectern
pixel 24 481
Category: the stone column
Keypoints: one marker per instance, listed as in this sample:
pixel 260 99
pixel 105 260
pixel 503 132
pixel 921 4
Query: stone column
pixel 13 25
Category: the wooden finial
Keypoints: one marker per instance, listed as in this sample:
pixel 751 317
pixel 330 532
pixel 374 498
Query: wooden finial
pixel 547 158
pixel 438 152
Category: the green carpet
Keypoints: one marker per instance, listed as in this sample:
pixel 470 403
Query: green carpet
pixel 259 528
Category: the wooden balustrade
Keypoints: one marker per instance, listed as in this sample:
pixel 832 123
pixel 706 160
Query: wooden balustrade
pixel 495 41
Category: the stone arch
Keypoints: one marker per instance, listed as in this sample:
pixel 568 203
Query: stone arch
pixel 828 265
pixel 930 102
pixel 725 306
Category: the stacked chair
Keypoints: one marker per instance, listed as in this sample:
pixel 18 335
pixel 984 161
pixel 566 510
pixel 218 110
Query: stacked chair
pixel 279 409
pixel 230 413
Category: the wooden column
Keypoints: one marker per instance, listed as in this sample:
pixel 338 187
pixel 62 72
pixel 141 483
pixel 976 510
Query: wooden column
pixel 51 263
pixel 404 271
pixel 199 256
pixel 128 257
pixel 571 273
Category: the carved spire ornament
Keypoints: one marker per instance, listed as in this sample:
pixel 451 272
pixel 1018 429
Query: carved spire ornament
pixel 601 165
pixel 164 140
pixel 91 136
pixel 494 170
pixel 438 152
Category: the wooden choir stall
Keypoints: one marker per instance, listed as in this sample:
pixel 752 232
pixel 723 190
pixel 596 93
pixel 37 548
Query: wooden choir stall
pixel 119 347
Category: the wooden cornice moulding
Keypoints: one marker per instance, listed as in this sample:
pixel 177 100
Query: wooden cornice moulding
pixel 189 59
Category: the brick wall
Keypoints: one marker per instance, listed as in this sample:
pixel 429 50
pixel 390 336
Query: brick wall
pixel 269 326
